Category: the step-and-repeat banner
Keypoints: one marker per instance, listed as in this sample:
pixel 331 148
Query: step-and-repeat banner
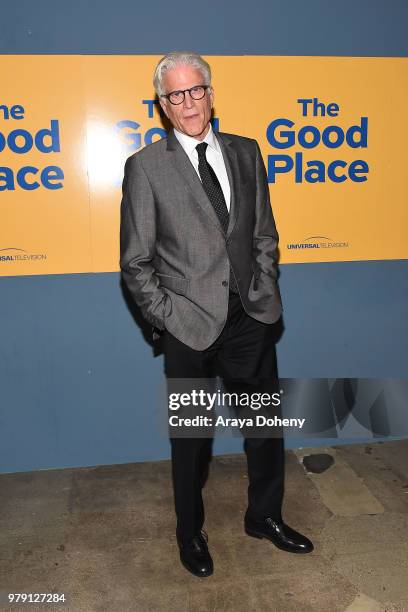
pixel 332 130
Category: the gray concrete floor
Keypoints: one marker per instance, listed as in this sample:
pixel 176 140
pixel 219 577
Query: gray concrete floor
pixel 104 536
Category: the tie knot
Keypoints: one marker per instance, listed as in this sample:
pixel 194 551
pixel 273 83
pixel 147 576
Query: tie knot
pixel 201 149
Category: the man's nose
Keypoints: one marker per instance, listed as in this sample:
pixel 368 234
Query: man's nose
pixel 188 100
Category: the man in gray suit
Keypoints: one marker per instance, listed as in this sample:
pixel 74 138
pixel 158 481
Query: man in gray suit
pixel 199 256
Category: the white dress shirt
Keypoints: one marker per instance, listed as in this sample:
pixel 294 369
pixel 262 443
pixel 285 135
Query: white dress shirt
pixel 214 157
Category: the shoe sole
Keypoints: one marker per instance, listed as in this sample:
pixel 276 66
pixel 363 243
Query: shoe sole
pixel 261 536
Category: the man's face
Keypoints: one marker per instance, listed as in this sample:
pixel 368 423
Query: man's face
pixel 191 117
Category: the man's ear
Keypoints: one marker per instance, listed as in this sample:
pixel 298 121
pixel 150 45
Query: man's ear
pixel 164 106
pixel 212 96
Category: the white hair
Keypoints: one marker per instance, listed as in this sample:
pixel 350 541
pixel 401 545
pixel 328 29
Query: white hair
pixel 177 58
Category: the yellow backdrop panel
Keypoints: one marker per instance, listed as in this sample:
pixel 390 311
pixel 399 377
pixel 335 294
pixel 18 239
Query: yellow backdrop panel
pixel 43 230
pixel 331 130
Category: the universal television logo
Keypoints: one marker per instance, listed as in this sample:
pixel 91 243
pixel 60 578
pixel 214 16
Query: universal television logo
pixel 317 242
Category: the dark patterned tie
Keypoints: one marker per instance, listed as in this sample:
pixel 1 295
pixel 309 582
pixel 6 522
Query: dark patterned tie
pixel 212 186
pixel 215 194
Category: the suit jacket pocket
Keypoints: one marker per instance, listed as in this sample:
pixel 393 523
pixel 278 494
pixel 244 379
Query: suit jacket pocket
pixel 177 284
pixel 256 272
pixel 262 281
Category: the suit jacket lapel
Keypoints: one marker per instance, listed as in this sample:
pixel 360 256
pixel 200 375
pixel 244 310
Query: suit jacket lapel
pixel 188 173
pixel 231 164
pixel 184 166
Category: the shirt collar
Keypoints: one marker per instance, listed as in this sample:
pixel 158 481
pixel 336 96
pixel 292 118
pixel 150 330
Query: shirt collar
pixel 189 144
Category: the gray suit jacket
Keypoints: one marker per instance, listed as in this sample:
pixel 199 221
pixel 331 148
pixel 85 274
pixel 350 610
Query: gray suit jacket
pixel 174 255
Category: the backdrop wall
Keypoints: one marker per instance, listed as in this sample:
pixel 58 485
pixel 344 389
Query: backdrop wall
pixel 78 382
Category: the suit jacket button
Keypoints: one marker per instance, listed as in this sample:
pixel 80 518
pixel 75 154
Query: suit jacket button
pixel 225 283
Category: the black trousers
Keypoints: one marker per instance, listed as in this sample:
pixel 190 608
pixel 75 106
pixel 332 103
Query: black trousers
pixel 242 355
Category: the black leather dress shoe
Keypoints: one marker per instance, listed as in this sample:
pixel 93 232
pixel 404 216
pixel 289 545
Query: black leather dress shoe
pixel 195 557
pixel 283 536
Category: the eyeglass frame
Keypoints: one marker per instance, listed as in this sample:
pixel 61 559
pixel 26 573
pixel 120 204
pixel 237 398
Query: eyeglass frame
pixel 183 91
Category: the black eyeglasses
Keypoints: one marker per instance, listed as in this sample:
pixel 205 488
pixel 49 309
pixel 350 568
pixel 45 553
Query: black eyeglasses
pixel 177 97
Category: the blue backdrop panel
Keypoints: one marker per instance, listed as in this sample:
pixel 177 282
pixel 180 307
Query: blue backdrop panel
pixel 261 27
pixel 80 385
